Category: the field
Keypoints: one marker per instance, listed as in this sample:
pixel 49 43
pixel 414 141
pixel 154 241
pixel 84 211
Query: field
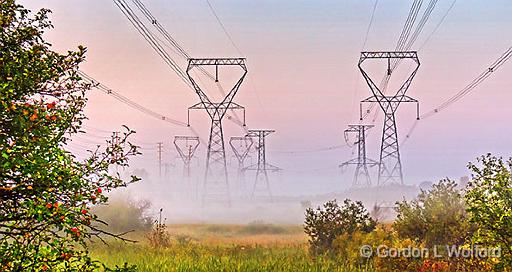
pixel 201 247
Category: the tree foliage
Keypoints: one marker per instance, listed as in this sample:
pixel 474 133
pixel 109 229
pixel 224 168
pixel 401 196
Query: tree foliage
pixel 45 192
pixel 489 200
pixel 436 217
pixel 324 225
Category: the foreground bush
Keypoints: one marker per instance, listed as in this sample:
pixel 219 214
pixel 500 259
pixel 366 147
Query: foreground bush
pixel 436 217
pixel 489 199
pixel 324 225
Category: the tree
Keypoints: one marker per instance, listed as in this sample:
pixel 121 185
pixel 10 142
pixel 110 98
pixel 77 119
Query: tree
pixel 324 225
pixel 436 217
pixel 46 193
pixel 489 199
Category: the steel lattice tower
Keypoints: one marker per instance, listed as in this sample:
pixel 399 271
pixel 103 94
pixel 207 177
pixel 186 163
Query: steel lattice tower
pixel 241 147
pixel 261 167
pixel 361 162
pixel 216 184
pixel 186 147
pixel 390 166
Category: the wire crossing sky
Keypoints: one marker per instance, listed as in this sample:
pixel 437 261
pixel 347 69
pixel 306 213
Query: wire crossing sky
pixel 302 63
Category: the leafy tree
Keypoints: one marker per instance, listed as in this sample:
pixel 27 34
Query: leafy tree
pixel 45 192
pixel 436 217
pixel 324 225
pixel 489 199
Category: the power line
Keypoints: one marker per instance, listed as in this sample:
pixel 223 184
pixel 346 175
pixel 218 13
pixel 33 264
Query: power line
pixel 322 149
pixel 438 24
pixel 153 40
pixel 405 42
pixel 466 90
pixel 224 28
pixel 370 24
pixel 96 84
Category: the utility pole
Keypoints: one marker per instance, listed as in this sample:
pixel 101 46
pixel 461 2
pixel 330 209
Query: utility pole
pixel 159 150
pixel 216 184
pixel 241 147
pixel 261 167
pixel 186 147
pixel 361 162
pixel 390 165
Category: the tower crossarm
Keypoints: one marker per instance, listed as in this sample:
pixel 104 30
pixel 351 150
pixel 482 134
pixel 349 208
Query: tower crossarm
pixel 242 150
pixel 388 55
pixel 216 110
pixel 191 144
pixel 216 61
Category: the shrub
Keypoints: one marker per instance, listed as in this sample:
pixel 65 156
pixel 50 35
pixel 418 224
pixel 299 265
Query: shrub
pixel 123 214
pixel 489 199
pixel 324 225
pixel 436 217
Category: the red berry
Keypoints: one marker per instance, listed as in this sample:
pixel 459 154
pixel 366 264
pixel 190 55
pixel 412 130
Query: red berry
pixel 49 205
pixel 50 105
pixel 84 211
pixel 99 190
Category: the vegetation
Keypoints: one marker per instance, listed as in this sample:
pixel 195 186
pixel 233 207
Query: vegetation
pixel 324 225
pixel 124 214
pixel 226 250
pixel 436 217
pixel 46 194
pixel 489 199
pixel 53 206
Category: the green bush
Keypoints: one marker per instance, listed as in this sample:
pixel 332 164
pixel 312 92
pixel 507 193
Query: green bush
pixel 489 200
pixel 436 217
pixel 324 225
pixel 123 214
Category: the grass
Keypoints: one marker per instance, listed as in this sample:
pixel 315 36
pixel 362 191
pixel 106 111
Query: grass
pixel 253 247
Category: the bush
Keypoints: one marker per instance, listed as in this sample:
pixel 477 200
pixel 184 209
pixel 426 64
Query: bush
pixel 123 214
pixel 324 225
pixel 436 217
pixel 489 199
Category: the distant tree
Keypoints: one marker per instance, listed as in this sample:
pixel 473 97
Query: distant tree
pixel 489 198
pixel 436 217
pixel 45 192
pixel 324 225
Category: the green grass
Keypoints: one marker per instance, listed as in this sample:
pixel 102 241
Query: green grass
pixel 199 257
pixel 244 248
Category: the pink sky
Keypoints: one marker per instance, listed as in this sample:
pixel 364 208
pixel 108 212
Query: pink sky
pixel 303 78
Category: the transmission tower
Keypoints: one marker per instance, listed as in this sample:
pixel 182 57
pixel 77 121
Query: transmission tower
pixel 361 162
pixel 186 147
pixel 262 167
pixel 390 166
pixel 241 147
pixel 216 184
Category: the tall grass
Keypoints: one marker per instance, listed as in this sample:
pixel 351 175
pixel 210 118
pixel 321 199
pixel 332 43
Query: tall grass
pixel 207 258
pixel 244 248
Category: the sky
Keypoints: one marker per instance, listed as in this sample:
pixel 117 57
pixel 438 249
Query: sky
pixel 303 80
